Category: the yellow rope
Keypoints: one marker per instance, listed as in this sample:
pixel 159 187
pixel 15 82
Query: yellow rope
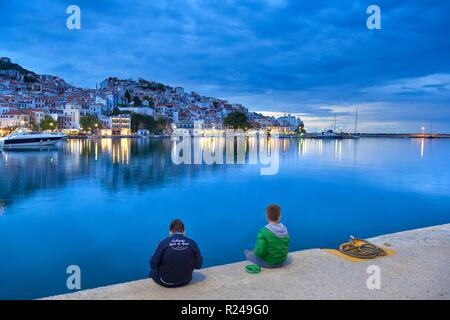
pixel 361 249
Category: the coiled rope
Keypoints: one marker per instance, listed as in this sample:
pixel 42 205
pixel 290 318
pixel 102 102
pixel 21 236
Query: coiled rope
pixel 361 249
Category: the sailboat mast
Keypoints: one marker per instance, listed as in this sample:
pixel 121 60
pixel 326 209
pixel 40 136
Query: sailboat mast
pixel 356 120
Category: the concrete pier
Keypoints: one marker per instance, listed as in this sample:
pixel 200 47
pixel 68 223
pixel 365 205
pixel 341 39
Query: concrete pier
pixel 420 269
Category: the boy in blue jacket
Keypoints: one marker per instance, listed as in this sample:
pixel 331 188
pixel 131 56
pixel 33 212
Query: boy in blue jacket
pixel 175 258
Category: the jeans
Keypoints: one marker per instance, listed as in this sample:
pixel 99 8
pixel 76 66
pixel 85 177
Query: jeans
pixel 156 277
pixel 250 256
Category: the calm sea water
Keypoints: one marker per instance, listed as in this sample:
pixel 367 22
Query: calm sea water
pixel 105 204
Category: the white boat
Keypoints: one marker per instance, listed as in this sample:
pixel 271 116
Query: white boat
pixel 23 138
pixel 329 135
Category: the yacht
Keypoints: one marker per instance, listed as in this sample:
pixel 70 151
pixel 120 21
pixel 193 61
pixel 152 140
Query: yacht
pixel 329 135
pixel 23 138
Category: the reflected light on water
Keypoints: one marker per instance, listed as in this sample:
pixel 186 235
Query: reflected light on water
pixel 285 145
pixel 118 149
pixel 422 147
pixel 121 151
pixel 302 147
pixel 106 145
pixel 338 144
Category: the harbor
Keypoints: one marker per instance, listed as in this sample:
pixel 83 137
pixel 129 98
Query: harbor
pixel 249 152
pixel 104 204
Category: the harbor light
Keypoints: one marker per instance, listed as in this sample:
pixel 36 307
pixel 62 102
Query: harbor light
pixel 423 130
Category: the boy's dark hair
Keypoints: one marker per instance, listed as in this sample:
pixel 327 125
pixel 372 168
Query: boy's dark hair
pixel 177 226
pixel 273 212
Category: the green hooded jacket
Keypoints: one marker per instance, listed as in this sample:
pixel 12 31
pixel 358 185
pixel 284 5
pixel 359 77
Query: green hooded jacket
pixel 272 244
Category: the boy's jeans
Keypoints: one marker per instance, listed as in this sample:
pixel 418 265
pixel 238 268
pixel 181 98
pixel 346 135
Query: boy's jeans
pixel 250 255
pixel 155 276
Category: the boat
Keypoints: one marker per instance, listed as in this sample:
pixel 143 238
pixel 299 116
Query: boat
pixel 329 134
pixel 23 138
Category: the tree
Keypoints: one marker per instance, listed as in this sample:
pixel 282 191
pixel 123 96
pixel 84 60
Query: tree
pixel 151 103
pixel 137 102
pixel 29 79
pixel 237 120
pixel 48 123
pixel 161 125
pixel 88 123
pixel 300 130
pixel 142 121
pixel 128 96
pixel 116 111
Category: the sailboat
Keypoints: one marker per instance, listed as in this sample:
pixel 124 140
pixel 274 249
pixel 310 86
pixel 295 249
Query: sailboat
pixel 330 134
pixel 354 136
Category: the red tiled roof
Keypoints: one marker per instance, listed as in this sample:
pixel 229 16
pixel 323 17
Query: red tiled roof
pixel 15 112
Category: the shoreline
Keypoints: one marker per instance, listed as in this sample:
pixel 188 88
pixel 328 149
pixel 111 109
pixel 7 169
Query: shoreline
pixel 362 135
pixel 418 270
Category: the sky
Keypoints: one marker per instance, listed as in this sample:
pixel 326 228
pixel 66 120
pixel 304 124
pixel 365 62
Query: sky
pixel 315 59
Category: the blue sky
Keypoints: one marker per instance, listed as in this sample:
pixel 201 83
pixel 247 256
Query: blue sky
pixel 312 58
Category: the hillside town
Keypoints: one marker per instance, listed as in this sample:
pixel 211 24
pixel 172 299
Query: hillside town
pixel 115 106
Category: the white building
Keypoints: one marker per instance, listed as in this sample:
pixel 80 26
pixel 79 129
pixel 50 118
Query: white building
pixel 37 116
pixel 143 132
pixel 4 109
pixel 97 108
pixel 15 119
pixel 121 125
pixel 289 122
pixel 179 91
pixel 71 116
pixel 105 122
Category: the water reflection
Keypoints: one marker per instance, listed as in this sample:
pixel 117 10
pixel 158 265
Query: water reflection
pixel 142 163
pixel 422 147
pixel 118 163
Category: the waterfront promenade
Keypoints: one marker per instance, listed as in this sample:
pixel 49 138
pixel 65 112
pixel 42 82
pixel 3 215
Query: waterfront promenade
pixel 418 270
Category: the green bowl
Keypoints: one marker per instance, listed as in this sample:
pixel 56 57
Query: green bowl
pixel 253 268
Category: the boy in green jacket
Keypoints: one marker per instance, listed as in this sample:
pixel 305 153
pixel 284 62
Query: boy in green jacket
pixel 272 243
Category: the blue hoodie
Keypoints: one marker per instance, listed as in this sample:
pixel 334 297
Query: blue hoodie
pixel 175 259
